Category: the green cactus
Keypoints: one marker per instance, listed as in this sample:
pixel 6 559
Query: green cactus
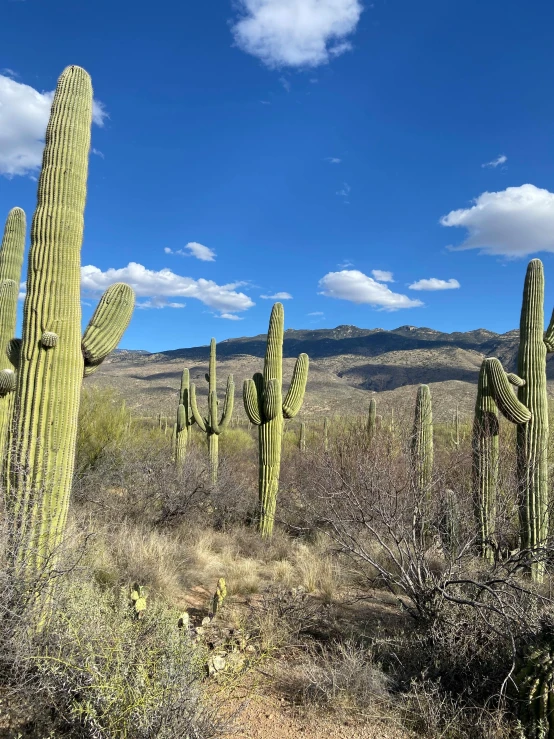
pixel 52 357
pixel 219 596
pixel 11 261
pixel 422 442
pixel 209 424
pixel 455 433
pixel 372 420
pixel 264 405
pixel 138 598
pixel 302 438
pixel 535 693
pixel 493 393
pixel 532 437
pixel 184 419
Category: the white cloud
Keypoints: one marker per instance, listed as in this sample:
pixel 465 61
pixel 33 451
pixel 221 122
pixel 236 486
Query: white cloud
pixel 353 285
pixel 277 296
pixel 344 192
pixel 159 286
pixel 316 313
pixel 382 276
pixel 513 222
pixel 158 303
pixel 295 33
pixel 98 153
pixel 194 249
pixel 230 316
pixel 333 160
pixel 23 118
pixel 434 284
pixel 500 159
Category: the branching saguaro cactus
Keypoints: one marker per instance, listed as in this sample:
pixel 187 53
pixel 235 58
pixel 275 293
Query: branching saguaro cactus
pixel 184 419
pixel 493 393
pixel 11 261
pixel 53 358
pixel 372 420
pixel 532 437
pixel 209 424
pixel 264 405
pixel 422 442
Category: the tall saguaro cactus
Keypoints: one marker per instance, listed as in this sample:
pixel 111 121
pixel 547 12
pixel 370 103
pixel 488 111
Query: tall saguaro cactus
pixel 265 407
pixel 184 419
pixel 53 358
pixel 493 393
pixel 209 424
pixel 372 420
pixel 11 261
pixel 532 437
pixel 422 441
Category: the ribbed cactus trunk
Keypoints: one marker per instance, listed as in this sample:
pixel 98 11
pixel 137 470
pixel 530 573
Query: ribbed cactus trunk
pixel 53 357
pixel 264 405
pixel 11 261
pixel 210 424
pixel 493 393
pixel 372 420
pixel 184 420
pixel 422 442
pixel 532 437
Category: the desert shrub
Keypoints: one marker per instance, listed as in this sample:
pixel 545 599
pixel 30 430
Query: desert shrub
pixel 106 674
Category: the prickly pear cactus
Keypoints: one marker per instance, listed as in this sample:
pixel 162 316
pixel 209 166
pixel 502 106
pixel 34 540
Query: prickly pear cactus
pixel 138 598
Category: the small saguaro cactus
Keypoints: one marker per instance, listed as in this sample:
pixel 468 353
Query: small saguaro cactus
pixel 455 433
pixel 184 419
pixel 11 261
pixel 372 420
pixel 53 358
pixel 219 596
pixel 209 424
pixel 266 409
pixel 422 442
pixel 302 438
pixel 493 393
pixel 532 437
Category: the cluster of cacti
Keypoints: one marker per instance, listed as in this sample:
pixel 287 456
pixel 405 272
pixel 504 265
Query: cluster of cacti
pixel 372 420
pixel 532 437
pixel 209 424
pixel 52 358
pixel 11 261
pixel 494 393
pixel 422 448
pixel 184 420
pixel 265 407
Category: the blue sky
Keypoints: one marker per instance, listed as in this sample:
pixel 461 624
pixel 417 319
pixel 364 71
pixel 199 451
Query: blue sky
pixel 318 148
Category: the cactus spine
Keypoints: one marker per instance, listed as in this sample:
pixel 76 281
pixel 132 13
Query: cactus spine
pixel 532 437
pixel 264 405
pixel 53 358
pixel 422 442
pixel 184 419
pixel 493 393
pixel 209 424
pixel 372 420
pixel 11 261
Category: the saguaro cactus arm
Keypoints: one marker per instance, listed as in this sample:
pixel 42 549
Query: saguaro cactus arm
pixel 107 325
pixel 549 335
pixel 194 407
pixel 295 395
pixel 502 393
pixel 272 400
pixel 251 402
pixel 228 404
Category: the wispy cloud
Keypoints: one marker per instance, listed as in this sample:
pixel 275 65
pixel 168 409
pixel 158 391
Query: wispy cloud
pixel 357 287
pixel 97 152
pixel 285 83
pixel 159 286
pixel 344 192
pixel 381 275
pixel 434 284
pixel 333 160
pixel 345 264
pixel 194 249
pixel 277 296
pixel 514 222
pixel 24 115
pixel 230 316
pixel 295 33
pixel 500 159
pixel 316 313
